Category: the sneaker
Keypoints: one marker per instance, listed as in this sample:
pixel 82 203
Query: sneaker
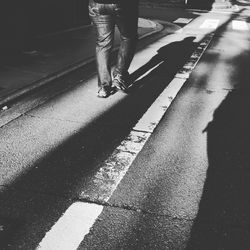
pixel 104 91
pixel 119 82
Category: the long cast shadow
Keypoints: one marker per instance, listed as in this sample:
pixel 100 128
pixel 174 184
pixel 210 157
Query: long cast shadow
pixel 171 57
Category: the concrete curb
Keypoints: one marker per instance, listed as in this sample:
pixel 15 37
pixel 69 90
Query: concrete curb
pixel 143 23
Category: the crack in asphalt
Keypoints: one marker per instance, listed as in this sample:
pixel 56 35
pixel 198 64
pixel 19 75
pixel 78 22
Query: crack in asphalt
pixel 130 208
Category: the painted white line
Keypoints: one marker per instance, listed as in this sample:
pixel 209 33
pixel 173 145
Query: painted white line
pixel 104 183
pixel 71 228
pixel 210 24
pixel 239 25
pixel 146 23
pixel 152 117
pixel 183 20
pixel 189 66
pixel 123 157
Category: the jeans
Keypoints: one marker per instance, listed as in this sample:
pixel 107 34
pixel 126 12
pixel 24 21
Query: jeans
pixel 105 18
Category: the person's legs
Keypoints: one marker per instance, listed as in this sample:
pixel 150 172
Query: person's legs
pixel 127 22
pixel 104 25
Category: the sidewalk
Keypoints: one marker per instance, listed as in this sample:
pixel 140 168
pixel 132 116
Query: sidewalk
pixel 54 56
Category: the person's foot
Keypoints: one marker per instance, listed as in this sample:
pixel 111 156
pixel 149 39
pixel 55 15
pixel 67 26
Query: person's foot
pixel 104 91
pixel 120 82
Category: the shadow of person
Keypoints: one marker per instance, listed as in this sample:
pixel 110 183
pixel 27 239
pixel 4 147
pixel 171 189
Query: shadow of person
pixel 168 60
pixel 223 220
pixel 7 227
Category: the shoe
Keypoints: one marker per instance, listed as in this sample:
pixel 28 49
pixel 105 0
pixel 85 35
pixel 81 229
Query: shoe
pixel 104 91
pixel 119 82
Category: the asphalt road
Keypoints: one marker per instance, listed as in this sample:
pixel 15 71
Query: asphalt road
pixel 83 173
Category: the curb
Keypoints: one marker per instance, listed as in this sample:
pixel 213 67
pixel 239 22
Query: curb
pixel 146 23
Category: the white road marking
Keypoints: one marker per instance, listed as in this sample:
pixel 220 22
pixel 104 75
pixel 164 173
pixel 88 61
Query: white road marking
pixel 71 228
pixel 115 167
pixel 152 117
pixel 239 25
pixel 183 20
pixel 210 24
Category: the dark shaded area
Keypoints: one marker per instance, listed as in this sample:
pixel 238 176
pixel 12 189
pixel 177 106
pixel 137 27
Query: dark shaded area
pixel 223 221
pixel 6 226
pixel 22 21
pixel 201 4
pixel 211 4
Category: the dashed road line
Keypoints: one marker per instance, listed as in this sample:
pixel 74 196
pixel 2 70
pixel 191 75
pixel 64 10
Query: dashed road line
pixel 76 222
pixel 182 20
pixel 239 25
pixel 68 232
pixel 186 70
pixel 210 24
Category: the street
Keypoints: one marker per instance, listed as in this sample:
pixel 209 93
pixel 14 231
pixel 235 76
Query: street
pixel 165 166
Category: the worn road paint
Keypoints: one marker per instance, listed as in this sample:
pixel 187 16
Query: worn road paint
pixel 189 66
pixel 70 230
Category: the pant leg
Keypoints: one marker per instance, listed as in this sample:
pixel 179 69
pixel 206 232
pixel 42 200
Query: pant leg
pixel 127 22
pixel 104 26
